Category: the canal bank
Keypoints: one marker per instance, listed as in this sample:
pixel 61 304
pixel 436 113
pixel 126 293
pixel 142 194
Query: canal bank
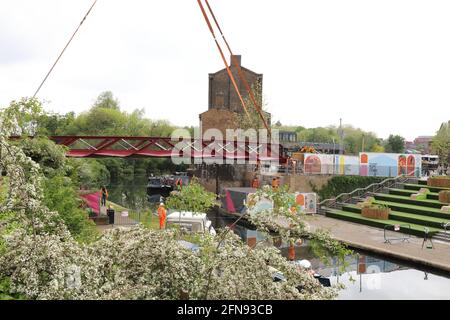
pixel 372 240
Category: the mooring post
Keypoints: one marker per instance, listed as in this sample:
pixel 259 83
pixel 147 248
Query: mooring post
pixel 217 181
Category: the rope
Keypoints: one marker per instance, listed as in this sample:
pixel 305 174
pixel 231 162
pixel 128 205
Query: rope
pixel 238 67
pixel 223 58
pixel 62 52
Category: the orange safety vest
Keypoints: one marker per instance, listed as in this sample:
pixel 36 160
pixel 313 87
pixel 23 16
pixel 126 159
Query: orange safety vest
pixel 255 183
pixel 275 183
pixel 162 216
pixel 291 252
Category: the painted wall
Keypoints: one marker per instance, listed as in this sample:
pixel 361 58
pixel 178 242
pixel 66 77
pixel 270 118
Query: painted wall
pixel 389 164
pixel 366 164
pixel 307 202
pixel 318 163
pixel 346 165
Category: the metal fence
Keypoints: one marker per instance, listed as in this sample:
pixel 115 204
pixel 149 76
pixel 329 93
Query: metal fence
pixel 397 233
pixel 335 169
pixel 360 193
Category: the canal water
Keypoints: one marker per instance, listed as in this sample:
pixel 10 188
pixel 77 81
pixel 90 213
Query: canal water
pixel 366 276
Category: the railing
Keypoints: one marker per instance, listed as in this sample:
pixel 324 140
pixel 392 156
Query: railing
pixel 446 226
pixel 343 198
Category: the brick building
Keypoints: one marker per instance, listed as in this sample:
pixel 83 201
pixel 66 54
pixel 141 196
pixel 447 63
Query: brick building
pixel 223 101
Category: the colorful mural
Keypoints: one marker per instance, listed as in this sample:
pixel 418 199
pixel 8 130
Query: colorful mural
pixel 346 165
pixel 260 205
pixel 318 163
pixel 307 202
pixel 389 164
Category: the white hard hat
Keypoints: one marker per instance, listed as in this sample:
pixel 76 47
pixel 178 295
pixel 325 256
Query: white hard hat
pixel 161 204
pixel 304 264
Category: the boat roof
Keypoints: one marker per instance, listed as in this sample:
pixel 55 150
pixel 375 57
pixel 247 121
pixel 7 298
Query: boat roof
pixel 241 189
pixel 187 215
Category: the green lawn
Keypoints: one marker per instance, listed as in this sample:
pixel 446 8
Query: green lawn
pixel 146 218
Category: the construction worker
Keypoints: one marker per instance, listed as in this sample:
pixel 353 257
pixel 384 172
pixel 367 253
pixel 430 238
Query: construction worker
pixel 255 182
pixel 258 165
pixel 162 213
pixel 275 183
pixel 291 251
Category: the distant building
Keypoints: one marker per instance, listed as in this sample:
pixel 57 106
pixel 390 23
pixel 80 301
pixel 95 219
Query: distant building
pixel 223 102
pixel 423 143
pixel 287 136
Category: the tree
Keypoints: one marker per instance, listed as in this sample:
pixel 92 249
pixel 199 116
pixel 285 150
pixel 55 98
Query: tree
pixel 395 144
pixel 106 100
pixel 440 144
pixel 253 120
pixel 40 259
pixel 377 148
pixel 192 197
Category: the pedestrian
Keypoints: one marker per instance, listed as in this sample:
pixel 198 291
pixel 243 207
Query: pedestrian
pixel 255 182
pixel 179 183
pixel 258 165
pixel 275 184
pixel 162 213
pixel 104 196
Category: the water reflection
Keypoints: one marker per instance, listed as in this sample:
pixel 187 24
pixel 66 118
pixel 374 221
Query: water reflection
pixel 366 277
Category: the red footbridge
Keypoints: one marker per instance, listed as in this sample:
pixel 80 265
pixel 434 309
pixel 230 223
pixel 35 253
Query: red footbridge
pixel 166 147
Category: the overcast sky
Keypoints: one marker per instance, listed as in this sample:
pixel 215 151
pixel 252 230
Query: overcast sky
pixel 383 65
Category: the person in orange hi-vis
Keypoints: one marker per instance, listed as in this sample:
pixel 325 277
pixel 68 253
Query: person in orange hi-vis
pixel 275 184
pixel 162 213
pixel 255 183
pixel 291 251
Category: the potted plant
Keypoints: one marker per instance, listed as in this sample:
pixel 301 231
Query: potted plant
pixel 444 196
pixel 439 181
pixel 376 211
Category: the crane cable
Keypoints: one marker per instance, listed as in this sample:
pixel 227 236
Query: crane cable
pixel 62 52
pixel 238 67
pixel 223 57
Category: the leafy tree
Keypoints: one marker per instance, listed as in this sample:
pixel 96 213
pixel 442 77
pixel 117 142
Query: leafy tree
pixel 89 173
pixel 106 100
pixel 60 196
pixel 377 148
pixel 42 260
pixel 395 144
pixel 253 120
pixel 440 144
pixel 192 197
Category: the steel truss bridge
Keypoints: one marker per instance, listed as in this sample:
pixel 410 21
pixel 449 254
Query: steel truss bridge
pixel 166 147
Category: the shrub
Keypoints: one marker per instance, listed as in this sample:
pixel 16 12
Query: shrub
pixel 344 184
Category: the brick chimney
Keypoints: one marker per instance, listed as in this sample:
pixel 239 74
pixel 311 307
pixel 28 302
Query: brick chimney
pixel 238 59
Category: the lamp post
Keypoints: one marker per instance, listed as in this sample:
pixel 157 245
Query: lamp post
pixel 334 157
pixel 362 147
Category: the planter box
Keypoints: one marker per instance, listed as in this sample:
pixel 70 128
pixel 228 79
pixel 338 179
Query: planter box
pixel 374 213
pixel 444 196
pixel 439 182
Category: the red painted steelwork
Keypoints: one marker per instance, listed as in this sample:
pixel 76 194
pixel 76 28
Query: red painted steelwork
pixel 165 147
